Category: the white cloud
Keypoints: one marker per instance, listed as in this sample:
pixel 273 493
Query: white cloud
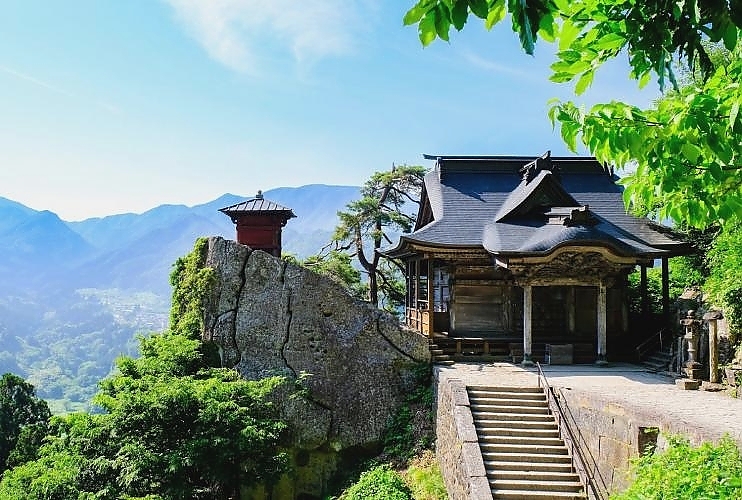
pixel 245 34
pixel 495 67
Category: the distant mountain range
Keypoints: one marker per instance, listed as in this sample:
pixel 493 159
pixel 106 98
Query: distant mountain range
pixel 136 251
pixel 73 295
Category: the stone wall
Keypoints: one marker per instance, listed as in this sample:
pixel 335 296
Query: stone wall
pixel 456 446
pixel 613 434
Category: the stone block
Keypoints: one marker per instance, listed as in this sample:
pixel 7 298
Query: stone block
pixel 458 393
pixel 464 422
pixel 472 458
pixel 614 452
pixel 479 489
pixel 687 384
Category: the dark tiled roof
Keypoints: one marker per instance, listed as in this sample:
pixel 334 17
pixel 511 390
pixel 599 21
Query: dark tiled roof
pixel 258 205
pixel 485 202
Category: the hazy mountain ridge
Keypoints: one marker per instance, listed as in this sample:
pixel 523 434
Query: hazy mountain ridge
pixel 73 294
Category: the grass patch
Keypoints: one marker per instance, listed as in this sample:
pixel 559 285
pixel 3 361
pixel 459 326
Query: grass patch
pixel 423 477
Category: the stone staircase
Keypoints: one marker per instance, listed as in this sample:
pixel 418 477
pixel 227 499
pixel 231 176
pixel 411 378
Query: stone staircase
pixel 658 361
pixel 438 355
pixel 523 454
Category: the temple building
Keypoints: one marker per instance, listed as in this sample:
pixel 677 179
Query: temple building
pixel 522 256
pixel 259 223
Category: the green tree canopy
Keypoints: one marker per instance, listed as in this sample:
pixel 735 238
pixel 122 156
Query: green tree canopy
pixel 686 150
pixel 383 209
pixel 168 429
pixel 23 420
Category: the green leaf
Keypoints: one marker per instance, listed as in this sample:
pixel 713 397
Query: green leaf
pixel 730 36
pixel 733 112
pixel 584 82
pixel 609 42
pixel 442 22
pixel 426 28
pixel 415 14
pixel 479 8
pixel 459 14
pixel 496 14
pixel 547 28
pixel 691 152
pixel 716 172
pixel 644 79
pixel 568 34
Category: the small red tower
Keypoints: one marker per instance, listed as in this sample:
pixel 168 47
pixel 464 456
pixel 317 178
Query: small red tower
pixel 259 222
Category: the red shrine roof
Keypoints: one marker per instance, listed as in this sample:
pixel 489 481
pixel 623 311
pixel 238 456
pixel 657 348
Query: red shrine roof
pixel 257 206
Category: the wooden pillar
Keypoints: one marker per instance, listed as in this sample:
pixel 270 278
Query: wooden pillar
pixel 527 333
pixel 665 291
pixel 624 311
pixel 571 312
pixel 431 322
pixel 602 324
pixel 644 291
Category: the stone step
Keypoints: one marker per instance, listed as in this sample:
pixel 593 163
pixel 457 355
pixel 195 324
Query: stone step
pixel 535 432
pixel 512 466
pixel 511 417
pixel 504 408
pixel 505 388
pixel 548 424
pixel 534 403
pixel 491 438
pixel 535 495
pixel 521 456
pixel 536 485
pixel 510 395
pixel 444 362
pixel 488 447
pixel 536 475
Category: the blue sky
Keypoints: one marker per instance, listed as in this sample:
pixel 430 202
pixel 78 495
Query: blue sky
pixel 118 106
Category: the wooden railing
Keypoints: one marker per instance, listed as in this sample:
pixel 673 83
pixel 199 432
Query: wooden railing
pixel 583 461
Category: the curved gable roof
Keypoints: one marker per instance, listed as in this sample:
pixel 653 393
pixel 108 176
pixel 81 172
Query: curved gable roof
pixel 484 203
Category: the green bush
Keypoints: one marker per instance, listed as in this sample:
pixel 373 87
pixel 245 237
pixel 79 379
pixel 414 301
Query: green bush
pixel 685 472
pixel 379 483
pixel 424 478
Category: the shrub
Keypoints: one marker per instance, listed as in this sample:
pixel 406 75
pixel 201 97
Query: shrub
pixel 424 478
pixel 686 472
pixel 379 483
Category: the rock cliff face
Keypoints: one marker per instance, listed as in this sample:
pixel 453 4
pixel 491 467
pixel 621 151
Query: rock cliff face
pixel 268 316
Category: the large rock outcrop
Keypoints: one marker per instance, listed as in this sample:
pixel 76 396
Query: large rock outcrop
pixel 268 316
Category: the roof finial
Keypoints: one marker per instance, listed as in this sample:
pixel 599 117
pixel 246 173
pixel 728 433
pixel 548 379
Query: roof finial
pixel 259 196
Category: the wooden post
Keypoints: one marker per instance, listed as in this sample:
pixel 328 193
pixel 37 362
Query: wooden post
pixel 624 311
pixel 665 291
pixel 527 335
pixel 571 313
pixel 431 316
pixel 602 324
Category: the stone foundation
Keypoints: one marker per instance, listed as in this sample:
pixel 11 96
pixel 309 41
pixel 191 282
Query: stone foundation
pixel 614 434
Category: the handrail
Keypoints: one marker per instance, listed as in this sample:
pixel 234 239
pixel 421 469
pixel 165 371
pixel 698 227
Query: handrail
pixel 654 339
pixel 589 475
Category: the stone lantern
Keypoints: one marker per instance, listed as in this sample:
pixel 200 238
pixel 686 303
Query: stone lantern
pixel 692 329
